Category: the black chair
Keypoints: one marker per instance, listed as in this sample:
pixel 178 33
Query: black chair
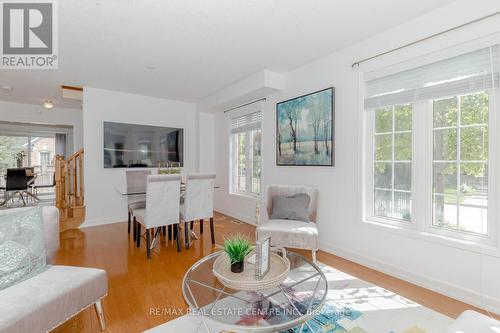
pixel 30 178
pixel 15 183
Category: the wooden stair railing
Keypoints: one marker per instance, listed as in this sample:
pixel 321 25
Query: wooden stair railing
pixel 70 194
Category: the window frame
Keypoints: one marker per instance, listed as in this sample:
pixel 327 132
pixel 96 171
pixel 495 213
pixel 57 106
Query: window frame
pixel 422 191
pixel 233 162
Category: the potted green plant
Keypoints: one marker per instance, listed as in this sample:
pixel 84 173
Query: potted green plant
pixel 237 247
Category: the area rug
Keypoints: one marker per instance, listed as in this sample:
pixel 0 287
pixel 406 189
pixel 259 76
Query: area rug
pixel 352 306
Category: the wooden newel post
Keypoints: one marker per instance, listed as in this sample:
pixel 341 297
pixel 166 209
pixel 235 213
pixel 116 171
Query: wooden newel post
pixel 60 184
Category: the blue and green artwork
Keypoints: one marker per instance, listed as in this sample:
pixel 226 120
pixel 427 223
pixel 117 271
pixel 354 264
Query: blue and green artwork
pixel 305 130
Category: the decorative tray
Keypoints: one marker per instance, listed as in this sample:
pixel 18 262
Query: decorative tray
pixel 246 280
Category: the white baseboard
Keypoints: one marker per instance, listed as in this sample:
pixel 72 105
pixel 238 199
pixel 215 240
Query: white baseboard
pixel 103 221
pixel 243 218
pixel 454 291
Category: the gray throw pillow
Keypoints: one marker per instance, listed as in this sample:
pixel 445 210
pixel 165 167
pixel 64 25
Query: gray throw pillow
pixel 22 245
pixel 293 207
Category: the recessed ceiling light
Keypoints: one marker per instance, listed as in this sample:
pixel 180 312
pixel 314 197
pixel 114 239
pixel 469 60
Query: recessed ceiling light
pixel 48 104
pixel 7 88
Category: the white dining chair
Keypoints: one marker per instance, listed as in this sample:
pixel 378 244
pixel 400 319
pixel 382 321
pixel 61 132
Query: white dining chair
pixel 136 183
pixel 198 203
pixel 162 209
pixel 291 233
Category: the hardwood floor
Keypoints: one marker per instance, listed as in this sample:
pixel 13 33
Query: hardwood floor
pixel 137 286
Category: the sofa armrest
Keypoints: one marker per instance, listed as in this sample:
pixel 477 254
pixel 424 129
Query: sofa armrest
pixel 51 227
pixel 474 322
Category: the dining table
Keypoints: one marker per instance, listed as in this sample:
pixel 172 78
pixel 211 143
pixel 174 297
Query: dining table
pixel 133 192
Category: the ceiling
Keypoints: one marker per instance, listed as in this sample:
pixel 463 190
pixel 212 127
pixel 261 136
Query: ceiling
pixel 189 49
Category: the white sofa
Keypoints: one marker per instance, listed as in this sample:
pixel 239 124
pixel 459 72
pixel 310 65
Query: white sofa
pixel 47 300
pixel 474 322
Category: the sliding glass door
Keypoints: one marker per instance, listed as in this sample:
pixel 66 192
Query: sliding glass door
pixel 37 152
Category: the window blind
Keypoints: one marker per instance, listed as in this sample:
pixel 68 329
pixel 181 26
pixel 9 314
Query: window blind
pixel 247 122
pixel 461 74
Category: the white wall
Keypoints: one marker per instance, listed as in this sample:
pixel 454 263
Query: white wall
pixel 452 270
pixel 103 201
pixel 36 114
pixel 206 142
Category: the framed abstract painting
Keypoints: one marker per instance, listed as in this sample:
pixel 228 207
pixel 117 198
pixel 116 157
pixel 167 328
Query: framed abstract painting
pixel 305 128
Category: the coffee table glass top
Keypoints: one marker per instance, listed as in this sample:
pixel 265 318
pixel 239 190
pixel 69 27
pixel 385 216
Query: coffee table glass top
pixel 299 298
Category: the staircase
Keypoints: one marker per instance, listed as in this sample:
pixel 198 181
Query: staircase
pixel 70 198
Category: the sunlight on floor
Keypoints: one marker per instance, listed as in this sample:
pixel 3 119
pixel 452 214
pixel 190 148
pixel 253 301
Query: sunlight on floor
pixel 348 291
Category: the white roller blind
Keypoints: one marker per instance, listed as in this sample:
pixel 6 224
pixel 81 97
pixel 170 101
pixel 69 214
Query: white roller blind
pixel 465 73
pixel 247 122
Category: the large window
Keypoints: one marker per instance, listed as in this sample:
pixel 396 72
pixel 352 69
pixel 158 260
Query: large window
pixel 245 140
pixel 430 144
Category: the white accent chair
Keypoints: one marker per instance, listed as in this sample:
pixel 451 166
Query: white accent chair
pixel 47 300
pixel 474 322
pixel 198 203
pixel 162 209
pixel 136 183
pixel 291 233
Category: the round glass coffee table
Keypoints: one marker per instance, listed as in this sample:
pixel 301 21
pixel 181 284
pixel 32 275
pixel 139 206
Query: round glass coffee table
pixel 290 305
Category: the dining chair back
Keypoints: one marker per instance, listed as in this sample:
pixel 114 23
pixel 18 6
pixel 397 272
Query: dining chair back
pixel 16 180
pixel 199 197
pixel 162 200
pixel 136 183
pixel 199 202
pixel 163 193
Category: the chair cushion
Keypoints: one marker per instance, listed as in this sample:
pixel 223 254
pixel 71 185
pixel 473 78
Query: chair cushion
pixel 290 233
pixel 22 245
pixel 291 207
pixel 474 322
pixel 46 300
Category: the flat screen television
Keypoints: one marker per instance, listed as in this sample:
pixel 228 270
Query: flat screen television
pixel 130 145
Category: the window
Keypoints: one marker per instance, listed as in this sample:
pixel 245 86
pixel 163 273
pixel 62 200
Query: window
pixel 246 160
pixel 45 157
pixel 428 145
